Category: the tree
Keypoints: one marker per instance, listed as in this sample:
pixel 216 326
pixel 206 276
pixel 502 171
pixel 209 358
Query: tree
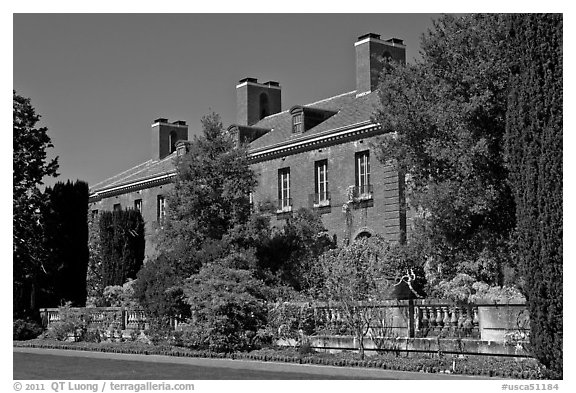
pixel 534 156
pixel 228 305
pixel 209 200
pixel 30 166
pixel 286 256
pixel 94 288
pixel 445 118
pixel 210 195
pixel 358 275
pixel 121 246
pixel 66 243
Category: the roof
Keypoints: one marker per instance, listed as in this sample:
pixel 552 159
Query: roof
pixel 146 170
pixel 350 110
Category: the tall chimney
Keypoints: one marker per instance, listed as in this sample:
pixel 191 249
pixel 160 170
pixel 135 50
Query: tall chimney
pixel 371 52
pixel 254 100
pixel 165 135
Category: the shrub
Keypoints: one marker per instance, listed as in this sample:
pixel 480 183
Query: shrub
pixel 25 329
pixel 229 308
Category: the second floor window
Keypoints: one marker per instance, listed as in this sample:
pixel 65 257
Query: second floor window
pixel 363 172
pixel 321 182
pixel 284 200
pixel 138 205
pixel 161 209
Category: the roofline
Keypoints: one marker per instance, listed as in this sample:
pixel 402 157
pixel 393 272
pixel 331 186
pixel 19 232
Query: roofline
pixel 260 154
pixel 380 41
pixel 119 189
pixel 283 148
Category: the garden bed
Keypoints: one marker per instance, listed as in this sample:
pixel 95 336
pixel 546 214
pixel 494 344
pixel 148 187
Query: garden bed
pixel 512 368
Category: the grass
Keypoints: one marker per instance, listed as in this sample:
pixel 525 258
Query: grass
pixel 32 366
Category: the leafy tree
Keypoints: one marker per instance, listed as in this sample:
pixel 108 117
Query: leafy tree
pixel 210 194
pixel 66 243
pixel 29 166
pixel 209 200
pixel 357 275
pixel 229 306
pixel 445 118
pixel 286 255
pixel 121 245
pixel 534 152
pixel 158 289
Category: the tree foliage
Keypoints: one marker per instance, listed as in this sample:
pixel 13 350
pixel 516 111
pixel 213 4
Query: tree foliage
pixel 210 194
pixel 446 121
pixel 29 166
pixel 534 152
pixel 229 306
pixel 121 245
pixel 287 255
pixel 66 244
pixel 366 271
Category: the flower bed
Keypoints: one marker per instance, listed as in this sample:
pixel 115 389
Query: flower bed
pixel 498 367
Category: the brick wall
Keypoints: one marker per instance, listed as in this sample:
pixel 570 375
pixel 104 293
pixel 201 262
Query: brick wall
pixel 382 215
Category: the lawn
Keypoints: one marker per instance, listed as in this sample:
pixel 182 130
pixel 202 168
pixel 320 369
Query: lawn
pixel 42 366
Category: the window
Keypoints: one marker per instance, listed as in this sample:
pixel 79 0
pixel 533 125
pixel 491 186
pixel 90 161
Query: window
pixel 264 106
pixel 251 201
pixel 284 200
pixel 138 205
pixel 117 207
pixel 172 137
pixel 94 214
pixel 161 209
pixel 297 122
pixel 321 196
pixel 363 188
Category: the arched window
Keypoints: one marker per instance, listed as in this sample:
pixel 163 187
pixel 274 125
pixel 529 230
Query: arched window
pixel 172 140
pixel 264 106
pixel 386 57
pixel 363 235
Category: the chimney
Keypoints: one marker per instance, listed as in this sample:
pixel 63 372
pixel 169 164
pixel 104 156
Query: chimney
pixel 255 101
pixel 371 52
pixel 165 135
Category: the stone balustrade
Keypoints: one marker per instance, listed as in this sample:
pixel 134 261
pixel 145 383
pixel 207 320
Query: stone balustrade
pixel 420 318
pixel 446 320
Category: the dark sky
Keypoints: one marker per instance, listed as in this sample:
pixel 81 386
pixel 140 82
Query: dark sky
pixel 99 80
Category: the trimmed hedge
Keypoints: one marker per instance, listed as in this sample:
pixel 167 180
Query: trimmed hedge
pixel 470 365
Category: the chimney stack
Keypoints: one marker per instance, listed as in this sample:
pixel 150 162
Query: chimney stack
pixel 165 135
pixel 371 52
pixel 255 101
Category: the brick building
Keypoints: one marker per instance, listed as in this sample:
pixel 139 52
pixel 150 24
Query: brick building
pixel 315 155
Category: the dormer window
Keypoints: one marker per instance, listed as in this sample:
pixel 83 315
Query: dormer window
pixel 307 117
pixel 297 123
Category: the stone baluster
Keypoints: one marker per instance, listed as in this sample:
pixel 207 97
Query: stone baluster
pixel 439 319
pixel 446 319
pixel 425 322
pixel 454 319
pixel 462 317
pixel 432 319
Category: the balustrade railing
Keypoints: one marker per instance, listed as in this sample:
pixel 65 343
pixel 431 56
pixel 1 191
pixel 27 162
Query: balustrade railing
pixel 415 318
pixel 446 320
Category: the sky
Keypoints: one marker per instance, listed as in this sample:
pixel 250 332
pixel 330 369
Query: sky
pixel 99 80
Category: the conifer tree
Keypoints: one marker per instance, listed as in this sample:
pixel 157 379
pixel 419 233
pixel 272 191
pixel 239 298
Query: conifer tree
pixel 121 246
pixel 534 156
pixel 66 243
